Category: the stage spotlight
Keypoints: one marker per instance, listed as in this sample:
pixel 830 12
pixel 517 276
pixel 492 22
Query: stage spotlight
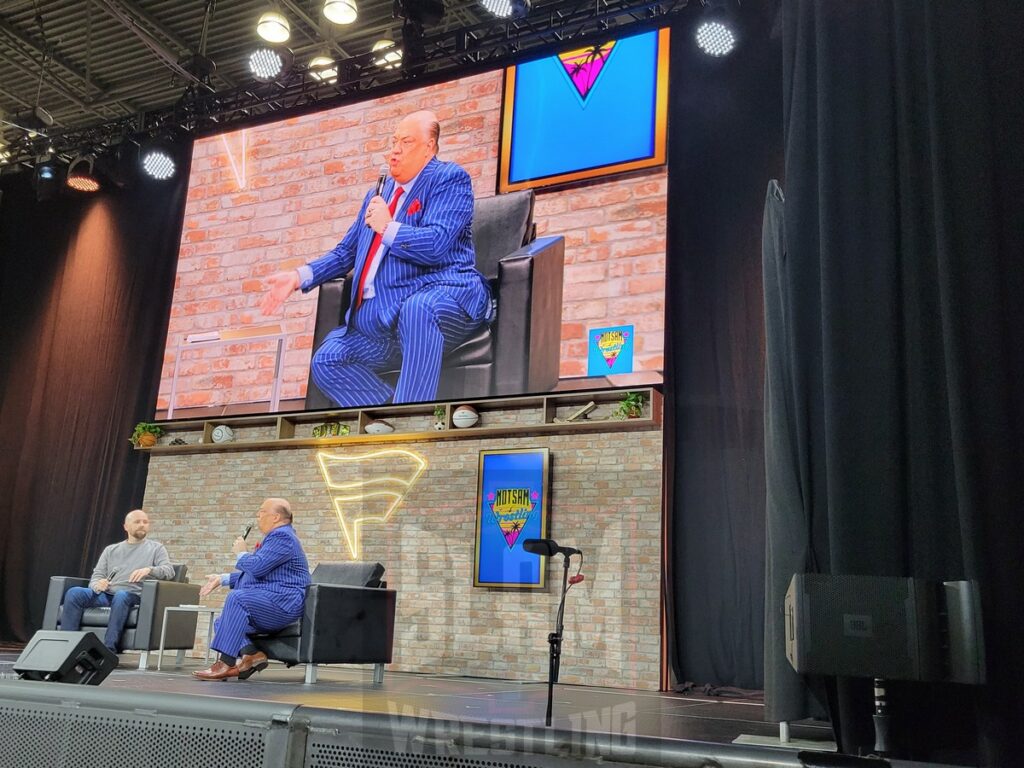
pixel 340 11
pixel 46 172
pixel 390 55
pixel 81 174
pixel 46 180
pixel 157 159
pixel 504 9
pixel 323 69
pixel 273 27
pixel 715 38
pixel 716 32
pixel 270 62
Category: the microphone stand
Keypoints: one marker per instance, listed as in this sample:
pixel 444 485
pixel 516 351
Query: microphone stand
pixel 555 641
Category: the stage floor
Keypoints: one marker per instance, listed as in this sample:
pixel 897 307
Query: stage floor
pixel 494 702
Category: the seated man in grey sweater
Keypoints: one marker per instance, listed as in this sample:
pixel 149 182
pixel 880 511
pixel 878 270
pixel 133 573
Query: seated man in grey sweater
pixel 116 581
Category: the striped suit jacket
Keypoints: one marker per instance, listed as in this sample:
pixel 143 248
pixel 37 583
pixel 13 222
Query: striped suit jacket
pixel 433 247
pixel 278 567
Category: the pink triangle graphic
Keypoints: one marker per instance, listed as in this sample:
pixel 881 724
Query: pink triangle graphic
pixel 585 64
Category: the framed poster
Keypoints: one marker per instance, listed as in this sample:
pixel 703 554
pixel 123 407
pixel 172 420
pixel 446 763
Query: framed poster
pixel 585 113
pixel 610 350
pixel 511 506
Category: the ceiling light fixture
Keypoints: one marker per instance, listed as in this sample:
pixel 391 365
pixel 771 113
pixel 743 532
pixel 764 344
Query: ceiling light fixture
pixel 157 159
pixel 81 176
pixel 322 68
pixel 390 55
pixel 340 11
pixel 715 38
pixel 716 31
pixel 273 27
pixel 270 62
pixel 46 179
pixel 504 9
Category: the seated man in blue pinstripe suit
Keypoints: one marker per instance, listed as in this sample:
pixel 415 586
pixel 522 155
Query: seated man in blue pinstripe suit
pixel 416 290
pixel 268 592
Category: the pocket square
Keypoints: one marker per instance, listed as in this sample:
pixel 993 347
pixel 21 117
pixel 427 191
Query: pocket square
pixel 414 207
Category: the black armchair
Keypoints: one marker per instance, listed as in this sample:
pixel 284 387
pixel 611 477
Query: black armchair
pixel 520 351
pixel 145 621
pixel 349 618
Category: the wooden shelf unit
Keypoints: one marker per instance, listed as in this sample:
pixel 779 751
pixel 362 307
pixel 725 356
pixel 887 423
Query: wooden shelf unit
pixel 528 415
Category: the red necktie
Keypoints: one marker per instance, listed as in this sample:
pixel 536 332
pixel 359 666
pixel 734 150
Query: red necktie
pixel 371 254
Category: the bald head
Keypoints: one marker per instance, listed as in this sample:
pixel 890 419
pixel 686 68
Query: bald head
pixel 280 507
pixel 426 122
pixel 413 145
pixel 273 513
pixel 136 525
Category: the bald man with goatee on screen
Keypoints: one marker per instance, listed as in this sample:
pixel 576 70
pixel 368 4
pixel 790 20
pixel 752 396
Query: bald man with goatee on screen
pixel 416 291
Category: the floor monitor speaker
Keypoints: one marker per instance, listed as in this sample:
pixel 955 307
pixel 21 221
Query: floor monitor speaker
pixel 65 657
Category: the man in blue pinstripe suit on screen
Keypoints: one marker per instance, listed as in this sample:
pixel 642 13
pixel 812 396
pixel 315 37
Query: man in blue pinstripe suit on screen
pixel 268 592
pixel 416 290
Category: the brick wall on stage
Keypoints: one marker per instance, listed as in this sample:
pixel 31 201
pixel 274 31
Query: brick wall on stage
pixel 605 499
pixel 276 196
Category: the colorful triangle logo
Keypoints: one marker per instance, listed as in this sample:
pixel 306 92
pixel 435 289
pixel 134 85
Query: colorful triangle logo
pixel 512 508
pixel 611 344
pixel 584 65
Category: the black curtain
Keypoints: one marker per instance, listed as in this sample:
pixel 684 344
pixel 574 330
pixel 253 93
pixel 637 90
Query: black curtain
pixel 725 143
pixel 903 279
pixel 85 293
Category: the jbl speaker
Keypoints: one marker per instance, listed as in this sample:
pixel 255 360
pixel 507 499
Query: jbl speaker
pixel 65 657
pixel 885 627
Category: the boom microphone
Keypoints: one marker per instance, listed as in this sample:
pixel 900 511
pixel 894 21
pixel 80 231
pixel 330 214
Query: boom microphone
pixel 547 548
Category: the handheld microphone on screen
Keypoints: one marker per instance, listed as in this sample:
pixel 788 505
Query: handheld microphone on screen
pixel 548 547
pixel 381 179
pixel 245 533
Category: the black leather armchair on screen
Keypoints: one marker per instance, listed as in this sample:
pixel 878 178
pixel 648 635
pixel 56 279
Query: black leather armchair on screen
pixel 145 621
pixel 519 352
pixel 349 618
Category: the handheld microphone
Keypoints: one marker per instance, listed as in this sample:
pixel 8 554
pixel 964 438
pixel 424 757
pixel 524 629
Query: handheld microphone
pixel 381 179
pixel 245 533
pixel 548 547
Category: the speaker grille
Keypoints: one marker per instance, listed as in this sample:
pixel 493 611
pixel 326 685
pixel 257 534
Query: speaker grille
pixel 324 755
pixel 36 737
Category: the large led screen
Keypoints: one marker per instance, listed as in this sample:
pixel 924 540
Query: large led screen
pixel 275 197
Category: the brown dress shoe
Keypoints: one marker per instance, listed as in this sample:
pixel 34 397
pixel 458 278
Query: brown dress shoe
pixel 219 671
pixel 251 663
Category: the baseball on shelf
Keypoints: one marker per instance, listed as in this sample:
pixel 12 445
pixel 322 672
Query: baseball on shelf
pixel 465 416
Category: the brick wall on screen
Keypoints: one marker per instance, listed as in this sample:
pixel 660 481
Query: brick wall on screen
pixel 605 499
pixel 298 187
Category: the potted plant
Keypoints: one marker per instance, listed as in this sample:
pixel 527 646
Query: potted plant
pixel 145 434
pixel 330 429
pixel 631 406
pixel 439 417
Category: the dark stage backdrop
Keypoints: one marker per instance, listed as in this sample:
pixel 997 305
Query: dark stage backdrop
pixel 900 281
pixel 725 144
pixel 85 290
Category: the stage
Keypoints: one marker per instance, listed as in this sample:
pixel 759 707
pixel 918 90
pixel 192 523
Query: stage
pixel 417 719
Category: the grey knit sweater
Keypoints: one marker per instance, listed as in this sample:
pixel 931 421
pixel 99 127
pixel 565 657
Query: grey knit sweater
pixel 118 561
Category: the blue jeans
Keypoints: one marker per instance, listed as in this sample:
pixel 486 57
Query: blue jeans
pixel 77 599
